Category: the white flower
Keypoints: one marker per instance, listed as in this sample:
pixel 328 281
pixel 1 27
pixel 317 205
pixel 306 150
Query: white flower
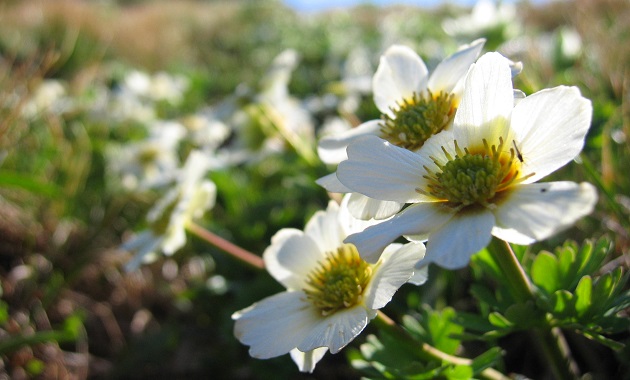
pixel 206 130
pixel 486 16
pixel 189 199
pixel 160 86
pixel 331 293
pixel 414 106
pixel 49 97
pixel 477 179
pixel 149 163
pixel 273 118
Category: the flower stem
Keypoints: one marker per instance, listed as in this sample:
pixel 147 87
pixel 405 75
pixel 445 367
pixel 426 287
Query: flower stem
pixel 226 246
pixel 518 282
pixel 429 352
pixel 271 118
pixel 552 342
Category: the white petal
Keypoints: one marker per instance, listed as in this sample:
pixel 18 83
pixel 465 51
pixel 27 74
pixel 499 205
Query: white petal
pixel 418 219
pixel 332 149
pixel 204 198
pixel 331 183
pixel 454 68
pixel 540 210
pixel 396 268
pixel 351 223
pixel 400 73
pixel 306 361
pixel 146 244
pixel 487 101
pixel 512 235
pixel 383 171
pixel 420 275
pixel 174 239
pixel 291 256
pixel 366 208
pixel 336 330
pixel 275 325
pixel 550 127
pixel 325 228
pixel 464 235
pixel 433 148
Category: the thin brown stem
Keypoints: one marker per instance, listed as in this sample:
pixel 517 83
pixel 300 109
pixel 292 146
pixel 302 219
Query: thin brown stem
pixel 226 246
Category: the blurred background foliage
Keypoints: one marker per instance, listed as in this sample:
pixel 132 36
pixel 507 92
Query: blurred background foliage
pixel 69 310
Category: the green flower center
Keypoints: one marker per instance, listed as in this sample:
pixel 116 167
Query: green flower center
pixel 474 177
pixel 418 118
pixel 339 281
pixel 148 155
pixel 161 219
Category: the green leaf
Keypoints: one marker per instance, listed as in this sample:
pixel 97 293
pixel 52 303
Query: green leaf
pixel 486 360
pixel 457 372
pixel 26 182
pixel 594 255
pixel 583 295
pixel 603 340
pixel 563 303
pixel 544 272
pixel 473 322
pixel 523 315
pixel 498 320
pixel 604 287
pixel 436 328
pixel 484 261
pixel 35 367
pixel 4 312
pixel 441 328
pixel 484 296
pixel 566 266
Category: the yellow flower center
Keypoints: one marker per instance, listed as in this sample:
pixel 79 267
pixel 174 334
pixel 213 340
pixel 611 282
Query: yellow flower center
pixel 339 281
pixel 418 118
pixel 474 177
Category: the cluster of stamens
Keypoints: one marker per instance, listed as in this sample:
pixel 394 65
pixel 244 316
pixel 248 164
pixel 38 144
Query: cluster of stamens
pixel 339 281
pixel 474 177
pixel 418 118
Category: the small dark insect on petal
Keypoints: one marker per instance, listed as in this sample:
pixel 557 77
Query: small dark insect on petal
pixel 518 152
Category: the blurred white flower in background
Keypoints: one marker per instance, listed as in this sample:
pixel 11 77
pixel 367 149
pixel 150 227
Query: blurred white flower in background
pixel 150 163
pixel 160 86
pixel 188 199
pixel 487 17
pixel 274 118
pixel 50 96
pixel 137 95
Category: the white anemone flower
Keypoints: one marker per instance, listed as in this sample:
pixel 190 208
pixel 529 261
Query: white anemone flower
pixel 160 86
pixel 50 97
pixel 189 199
pixel 478 178
pixel 414 106
pixel 485 17
pixel 150 163
pixel 331 293
pixel 274 118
